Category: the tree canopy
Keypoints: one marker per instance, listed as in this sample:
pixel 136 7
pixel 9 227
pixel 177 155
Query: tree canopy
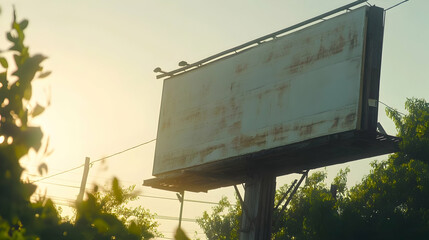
pixel 100 216
pixel 389 203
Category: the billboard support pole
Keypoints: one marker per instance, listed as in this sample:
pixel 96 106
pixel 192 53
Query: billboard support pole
pixel 84 178
pixel 259 202
pixel 181 197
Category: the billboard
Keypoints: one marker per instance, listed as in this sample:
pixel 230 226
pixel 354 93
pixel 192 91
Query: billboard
pixel 301 86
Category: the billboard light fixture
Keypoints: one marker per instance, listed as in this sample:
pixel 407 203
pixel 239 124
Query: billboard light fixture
pixel 159 70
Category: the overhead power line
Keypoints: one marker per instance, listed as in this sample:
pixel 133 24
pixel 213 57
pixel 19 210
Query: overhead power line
pixel 175 199
pixel 387 9
pixel 56 174
pixel 141 195
pixel 389 107
pixel 98 160
pixel 126 150
pixel 61 185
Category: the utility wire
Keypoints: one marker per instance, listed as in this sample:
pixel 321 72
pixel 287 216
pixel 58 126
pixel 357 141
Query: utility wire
pixel 141 195
pixel 174 218
pixel 56 174
pixel 61 185
pixel 101 159
pixel 175 199
pixel 387 9
pixel 126 150
pixel 389 107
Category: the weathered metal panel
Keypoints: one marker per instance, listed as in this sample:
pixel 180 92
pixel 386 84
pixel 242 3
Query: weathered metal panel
pixel 297 87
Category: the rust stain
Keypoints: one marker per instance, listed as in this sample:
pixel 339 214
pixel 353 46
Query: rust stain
pixel 249 141
pixel 335 47
pixel 299 63
pixel 240 68
pixel 220 110
pixel 353 37
pixel 235 109
pixel 266 92
pixel 269 58
pixel 235 128
pixel 307 129
pixel 165 124
pixel 193 116
pixel 279 133
pixel 285 50
pixel 278 130
pixel 350 118
pixel 205 152
pixel 222 123
pixel 339 29
pixel 335 124
pixel 282 89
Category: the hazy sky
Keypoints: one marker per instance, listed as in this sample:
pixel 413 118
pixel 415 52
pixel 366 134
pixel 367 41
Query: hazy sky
pixel 105 97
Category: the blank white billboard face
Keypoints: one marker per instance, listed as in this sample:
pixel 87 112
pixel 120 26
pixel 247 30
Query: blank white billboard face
pixel 294 88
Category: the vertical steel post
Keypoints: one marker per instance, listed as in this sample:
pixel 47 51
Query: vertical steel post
pixel 84 178
pixel 259 201
pixel 182 200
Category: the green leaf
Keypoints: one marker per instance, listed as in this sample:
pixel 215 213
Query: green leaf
pixel 117 191
pixel 23 24
pixel 28 93
pixel 134 229
pixel 10 37
pixel 101 225
pixel 37 110
pixel 3 62
pixel 45 74
pixel 32 137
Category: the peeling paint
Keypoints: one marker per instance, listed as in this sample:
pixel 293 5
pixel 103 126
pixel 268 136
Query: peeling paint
pixel 243 141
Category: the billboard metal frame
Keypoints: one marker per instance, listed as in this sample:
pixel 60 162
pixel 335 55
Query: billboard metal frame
pixel 257 41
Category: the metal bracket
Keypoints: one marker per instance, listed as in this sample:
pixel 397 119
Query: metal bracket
pixel 304 175
pixel 381 129
pixel 285 195
pixel 245 210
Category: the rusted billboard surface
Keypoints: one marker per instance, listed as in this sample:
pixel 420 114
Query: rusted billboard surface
pixel 296 87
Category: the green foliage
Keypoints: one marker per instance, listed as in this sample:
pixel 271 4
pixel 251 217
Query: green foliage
pixel 223 222
pixel 116 200
pixel 21 218
pixel 17 137
pixel 314 210
pixel 413 129
pixel 391 202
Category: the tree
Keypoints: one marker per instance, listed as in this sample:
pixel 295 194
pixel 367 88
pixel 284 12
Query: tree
pixel 19 217
pixel 391 202
pixel 17 137
pixel 223 222
pixel 115 201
